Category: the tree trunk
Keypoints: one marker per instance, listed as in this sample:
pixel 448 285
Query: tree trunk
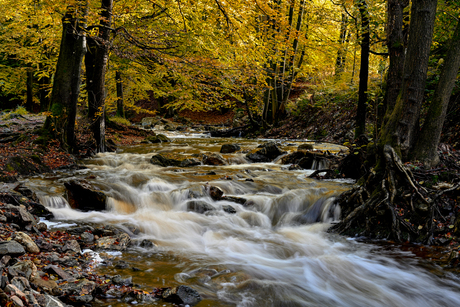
pixel 401 129
pixel 396 43
pixel 43 94
pixel 67 79
pixel 341 53
pixel 30 92
pixel 120 102
pixel 96 66
pixel 363 71
pixel 427 144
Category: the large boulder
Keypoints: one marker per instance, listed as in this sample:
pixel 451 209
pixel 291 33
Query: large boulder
pixel 83 196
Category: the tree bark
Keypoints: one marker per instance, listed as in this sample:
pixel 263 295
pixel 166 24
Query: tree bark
pixel 363 71
pixel 396 43
pixel 67 79
pixel 401 129
pixel 120 102
pixel 341 53
pixel 96 66
pixel 30 92
pixel 426 146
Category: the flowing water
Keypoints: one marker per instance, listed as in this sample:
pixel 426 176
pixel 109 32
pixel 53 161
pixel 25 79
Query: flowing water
pixel 273 251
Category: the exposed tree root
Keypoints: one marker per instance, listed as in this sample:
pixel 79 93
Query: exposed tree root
pixel 391 204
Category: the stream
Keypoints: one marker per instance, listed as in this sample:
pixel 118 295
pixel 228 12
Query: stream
pixel 273 251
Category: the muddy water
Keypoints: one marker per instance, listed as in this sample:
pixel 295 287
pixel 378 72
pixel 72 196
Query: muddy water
pixel 273 252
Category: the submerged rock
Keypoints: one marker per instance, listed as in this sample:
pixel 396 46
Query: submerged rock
pixel 214 159
pixel 199 206
pixel 268 152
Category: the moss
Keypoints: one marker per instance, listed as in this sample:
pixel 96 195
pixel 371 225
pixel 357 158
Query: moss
pixel 57 109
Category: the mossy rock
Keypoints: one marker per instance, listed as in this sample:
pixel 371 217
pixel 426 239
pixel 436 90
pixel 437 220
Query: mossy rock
pixel 159 138
pixel 173 159
pixel 26 165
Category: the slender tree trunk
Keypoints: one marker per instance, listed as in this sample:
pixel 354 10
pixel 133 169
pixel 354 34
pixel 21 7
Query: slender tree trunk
pixel 341 53
pixel 96 66
pixel 120 102
pixel 30 91
pixel 67 79
pixel 43 94
pixel 401 129
pixel 427 144
pixel 363 71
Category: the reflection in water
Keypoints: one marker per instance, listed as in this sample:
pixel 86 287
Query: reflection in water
pixel 268 251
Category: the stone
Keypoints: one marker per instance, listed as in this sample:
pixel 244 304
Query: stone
pixel 229 148
pixel 199 206
pixel 268 152
pixel 119 242
pixel 82 195
pixel 87 237
pixel 54 269
pixel 27 242
pixel 79 230
pixel 42 227
pixel 160 138
pixel 46 285
pixel 190 162
pixel 215 192
pixel 13 290
pixel 73 246
pixel 40 210
pixel 305 146
pixel 229 209
pixel 182 295
pixel 21 283
pixel 11 248
pixel 79 292
pixel 17 302
pixel 51 301
pixel 118 280
pixel 213 159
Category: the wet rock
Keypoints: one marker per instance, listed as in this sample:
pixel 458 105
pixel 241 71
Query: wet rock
pixel 229 209
pixel 137 297
pixel 40 210
pixel 42 227
pixel 149 122
pixel 147 244
pixel 229 148
pixel 79 230
pixel 190 162
pixel 17 302
pixel 167 159
pixel 12 248
pixel 238 200
pixel 199 206
pixel 27 242
pixel 294 167
pixel 213 159
pixel 27 269
pixel 182 295
pixel 73 246
pixel 268 152
pixel 79 292
pixel 82 195
pixel 305 146
pixel 18 215
pixel 119 242
pixel 215 192
pixel 159 138
pixel 120 281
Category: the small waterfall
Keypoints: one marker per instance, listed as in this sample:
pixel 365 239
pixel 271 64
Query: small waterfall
pixel 54 202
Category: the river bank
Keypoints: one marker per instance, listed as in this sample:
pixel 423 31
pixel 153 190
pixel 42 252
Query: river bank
pixel 226 178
